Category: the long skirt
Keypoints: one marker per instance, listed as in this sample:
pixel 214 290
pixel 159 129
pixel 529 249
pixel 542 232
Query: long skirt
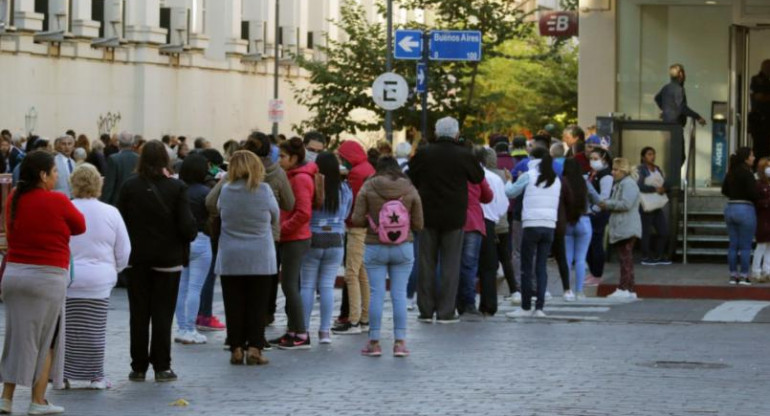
pixel 86 338
pixel 34 309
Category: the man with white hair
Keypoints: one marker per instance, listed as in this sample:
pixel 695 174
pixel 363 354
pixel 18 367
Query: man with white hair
pixel 119 167
pixel 64 146
pixel 441 172
pixel 403 150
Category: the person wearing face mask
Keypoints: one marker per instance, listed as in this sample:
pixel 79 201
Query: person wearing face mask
pixel 315 143
pixel 760 267
pixel 600 179
pixel 651 184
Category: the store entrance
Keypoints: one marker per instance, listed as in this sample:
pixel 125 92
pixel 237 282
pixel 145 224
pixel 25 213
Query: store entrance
pixel 749 47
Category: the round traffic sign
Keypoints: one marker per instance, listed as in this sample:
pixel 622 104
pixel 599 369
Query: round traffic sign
pixel 390 91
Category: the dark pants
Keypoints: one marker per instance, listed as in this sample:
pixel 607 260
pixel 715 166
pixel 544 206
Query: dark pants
pixel 246 306
pixel 488 271
pixel 560 254
pixel 151 299
pixel 596 254
pixel 654 247
pixel 291 263
pixel 438 297
pixel 504 257
pixel 411 286
pixel 207 292
pixel 626 256
pixel 535 246
pixel 274 280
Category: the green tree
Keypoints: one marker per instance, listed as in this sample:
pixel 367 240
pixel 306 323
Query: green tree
pixel 341 83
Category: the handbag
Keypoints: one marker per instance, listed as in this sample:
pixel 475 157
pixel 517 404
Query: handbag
pixel 653 201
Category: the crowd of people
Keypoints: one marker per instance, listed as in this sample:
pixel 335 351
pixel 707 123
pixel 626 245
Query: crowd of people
pixel 435 218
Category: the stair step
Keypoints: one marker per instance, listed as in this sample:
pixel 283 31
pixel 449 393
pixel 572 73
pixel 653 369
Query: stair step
pixel 703 213
pixel 705 238
pixel 703 252
pixel 712 225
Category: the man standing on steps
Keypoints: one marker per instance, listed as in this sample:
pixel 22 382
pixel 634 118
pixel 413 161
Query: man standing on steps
pixel 759 117
pixel 672 102
pixel 441 172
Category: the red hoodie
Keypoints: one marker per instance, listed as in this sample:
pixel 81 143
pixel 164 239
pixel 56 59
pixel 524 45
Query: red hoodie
pixel 295 224
pixel 474 217
pixel 360 170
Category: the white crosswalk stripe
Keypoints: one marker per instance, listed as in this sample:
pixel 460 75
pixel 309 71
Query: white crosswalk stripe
pixel 735 311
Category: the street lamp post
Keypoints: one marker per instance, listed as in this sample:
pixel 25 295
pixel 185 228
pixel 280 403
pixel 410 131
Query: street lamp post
pixel 275 57
pixel 389 67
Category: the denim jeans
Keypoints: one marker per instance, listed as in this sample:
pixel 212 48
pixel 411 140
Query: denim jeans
pixel 411 287
pixel 382 261
pixel 535 246
pixel 190 285
pixel 741 224
pixel 576 239
pixel 469 267
pixel 319 270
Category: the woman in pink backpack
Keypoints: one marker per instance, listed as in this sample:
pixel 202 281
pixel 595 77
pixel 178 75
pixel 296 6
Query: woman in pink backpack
pixel 389 205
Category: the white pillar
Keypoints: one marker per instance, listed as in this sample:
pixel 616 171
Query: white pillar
pixel 232 26
pixel 113 18
pixel 82 25
pixel 58 16
pixel 143 22
pixel 25 18
pixel 199 39
pixel 289 21
pixel 596 63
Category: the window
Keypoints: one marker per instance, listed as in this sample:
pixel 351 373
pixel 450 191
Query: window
pixel 310 40
pixel 165 22
pixel 41 6
pixel 97 15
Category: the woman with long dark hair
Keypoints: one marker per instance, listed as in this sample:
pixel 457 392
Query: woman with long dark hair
pixel 161 226
pixel 321 263
pixel 295 239
pixel 542 189
pixel 740 188
pixel 577 236
pixel 388 194
pixel 40 224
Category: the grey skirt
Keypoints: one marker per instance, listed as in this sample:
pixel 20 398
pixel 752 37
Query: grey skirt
pixel 34 308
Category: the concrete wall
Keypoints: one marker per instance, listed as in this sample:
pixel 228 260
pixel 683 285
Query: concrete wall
pixel 597 56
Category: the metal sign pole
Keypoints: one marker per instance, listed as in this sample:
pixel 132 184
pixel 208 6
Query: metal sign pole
pixel 424 94
pixel 388 68
pixel 275 68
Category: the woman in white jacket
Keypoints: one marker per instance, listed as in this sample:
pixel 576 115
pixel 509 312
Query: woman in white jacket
pixel 97 257
pixel 542 189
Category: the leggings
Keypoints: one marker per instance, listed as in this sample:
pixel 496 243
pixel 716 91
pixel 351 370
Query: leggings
pixel 292 253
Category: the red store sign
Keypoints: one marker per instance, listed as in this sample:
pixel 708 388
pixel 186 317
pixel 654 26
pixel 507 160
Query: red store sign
pixel 559 24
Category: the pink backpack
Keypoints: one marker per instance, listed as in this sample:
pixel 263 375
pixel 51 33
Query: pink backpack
pixel 394 222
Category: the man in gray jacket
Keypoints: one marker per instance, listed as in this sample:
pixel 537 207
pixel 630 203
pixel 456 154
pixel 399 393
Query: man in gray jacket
pixel 120 167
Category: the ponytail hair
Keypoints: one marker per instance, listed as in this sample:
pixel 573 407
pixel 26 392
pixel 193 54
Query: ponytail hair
pixel 32 165
pixel 547 174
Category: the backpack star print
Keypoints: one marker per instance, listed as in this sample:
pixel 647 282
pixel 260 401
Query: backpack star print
pixel 394 222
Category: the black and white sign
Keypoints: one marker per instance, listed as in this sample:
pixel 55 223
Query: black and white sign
pixel 390 91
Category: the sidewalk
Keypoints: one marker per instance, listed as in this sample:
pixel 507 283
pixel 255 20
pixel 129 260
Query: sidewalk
pixel 691 281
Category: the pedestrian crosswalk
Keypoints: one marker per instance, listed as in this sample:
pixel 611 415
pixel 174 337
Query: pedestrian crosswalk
pixel 590 309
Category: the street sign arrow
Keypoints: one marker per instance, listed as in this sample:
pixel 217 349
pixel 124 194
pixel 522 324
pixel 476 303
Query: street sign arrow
pixel 421 78
pixel 408 44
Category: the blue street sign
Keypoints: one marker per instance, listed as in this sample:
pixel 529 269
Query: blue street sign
pixel 422 77
pixel 455 45
pixel 408 44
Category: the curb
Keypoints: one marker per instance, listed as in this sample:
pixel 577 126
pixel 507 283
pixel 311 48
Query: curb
pixel 694 292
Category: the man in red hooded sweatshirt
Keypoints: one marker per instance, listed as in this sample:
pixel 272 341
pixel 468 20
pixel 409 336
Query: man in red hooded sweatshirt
pixel 353 156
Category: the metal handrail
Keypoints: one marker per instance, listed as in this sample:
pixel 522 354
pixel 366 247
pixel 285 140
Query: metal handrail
pixel 687 181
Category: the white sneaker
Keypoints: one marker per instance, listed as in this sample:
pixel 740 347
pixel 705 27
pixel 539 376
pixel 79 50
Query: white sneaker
pixel 182 336
pixel 101 384
pixel 44 409
pixel 198 338
pixel 569 296
pixel 579 296
pixel 324 338
pixel 538 314
pixel 190 338
pixel 412 305
pixel 619 294
pixel 632 295
pixel 516 298
pixel 519 313
pixel 6 406
pixel 548 295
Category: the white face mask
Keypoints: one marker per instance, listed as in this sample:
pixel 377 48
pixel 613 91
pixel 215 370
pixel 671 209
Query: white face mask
pixel 597 165
pixel 767 172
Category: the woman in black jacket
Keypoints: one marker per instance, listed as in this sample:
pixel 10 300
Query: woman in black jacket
pixel 740 188
pixel 161 226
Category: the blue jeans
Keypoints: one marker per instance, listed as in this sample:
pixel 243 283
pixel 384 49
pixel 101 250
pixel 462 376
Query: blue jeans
pixel 535 246
pixel 411 287
pixel 469 267
pixel 319 270
pixel 190 285
pixel 382 261
pixel 577 238
pixel 741 224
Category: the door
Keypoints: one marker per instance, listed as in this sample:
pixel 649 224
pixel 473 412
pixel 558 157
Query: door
pixel 738 99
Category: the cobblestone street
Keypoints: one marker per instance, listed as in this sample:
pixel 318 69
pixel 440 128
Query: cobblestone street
pixel 569 366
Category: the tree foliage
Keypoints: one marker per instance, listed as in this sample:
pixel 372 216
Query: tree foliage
pixel 521 81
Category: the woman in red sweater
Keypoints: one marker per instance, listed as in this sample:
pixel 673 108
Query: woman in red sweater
pixel 295 240
pixel 39 224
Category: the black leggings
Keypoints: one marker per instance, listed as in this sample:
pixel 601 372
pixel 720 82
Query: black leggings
pixel 560 253
pixel 246 299
pixel 504 257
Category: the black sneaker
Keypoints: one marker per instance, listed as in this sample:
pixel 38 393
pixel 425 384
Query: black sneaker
pixel 268 347
pixel 734 280
pixel 295 343
pixel 471 310
pixel 279 340
pixel 649 262
pixel 347 329
pixel 137 376
pixel 745 281
pixel 663 261
pixel 167 375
